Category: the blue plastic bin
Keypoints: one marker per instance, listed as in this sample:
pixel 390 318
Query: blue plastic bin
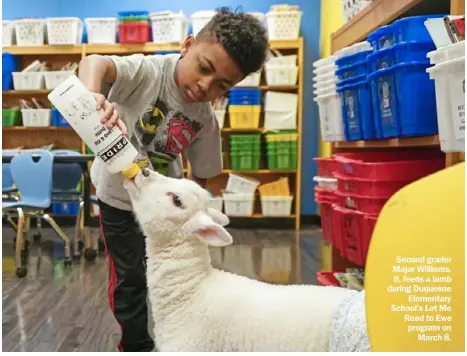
pixel 382 38
pixel 353 70
pixel 359 123
pixel 344 82
pixel 404 100
pixel 352 59
pixel 9 63
pixel 133 13
pixel 412 29
pixel 58 120
pixel 399 53
pixel 245 97
pixel 65 209
pixel 7 81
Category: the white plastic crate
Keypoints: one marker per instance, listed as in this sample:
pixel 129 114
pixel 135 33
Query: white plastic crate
pixel 251 80
pixel 28 80
pixel 259 15
pixel 326 183
pixel 55 78
pixel 330 117
pixel 324 62
pixel 444 54
pixel 36 117
pixel 449 79
pixel 280 120
pixel 281 75
pixel 101 30
pixel 30 32
pixel 238 204
pixel 64 30
pixel 8 34
pixel 355 48
pixel 283 25
pixel 276 101
pixel 241 184
pixel 215 203
pixel 289 60
pixel 276 206
pixel 168 27
pixel 325 70
pixel 220 116
pixel 200 19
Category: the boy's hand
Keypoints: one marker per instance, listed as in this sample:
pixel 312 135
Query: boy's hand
pixel 110 115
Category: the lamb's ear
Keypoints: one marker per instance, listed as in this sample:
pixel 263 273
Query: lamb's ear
pixel 204 226
pixel 218 217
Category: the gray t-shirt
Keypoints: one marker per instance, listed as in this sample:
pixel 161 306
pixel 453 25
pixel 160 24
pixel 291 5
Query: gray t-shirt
pixel 161 125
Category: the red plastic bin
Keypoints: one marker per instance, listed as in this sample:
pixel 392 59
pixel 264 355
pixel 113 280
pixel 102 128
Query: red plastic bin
pixel 389 166
pixel 326 199
pixel 327 279
pixel 356 231
pixel 369 187
pixel 134 32
pixel 362 203
pixel 326 166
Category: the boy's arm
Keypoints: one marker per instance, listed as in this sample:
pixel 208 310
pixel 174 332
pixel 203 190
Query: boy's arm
pixel 203 182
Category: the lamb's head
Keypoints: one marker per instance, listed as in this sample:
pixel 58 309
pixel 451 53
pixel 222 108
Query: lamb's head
pixel 169 209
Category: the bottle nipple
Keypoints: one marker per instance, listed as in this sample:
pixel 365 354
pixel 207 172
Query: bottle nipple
pixel 131 172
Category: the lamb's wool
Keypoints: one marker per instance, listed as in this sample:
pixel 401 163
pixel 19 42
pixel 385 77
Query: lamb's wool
pixel 198 308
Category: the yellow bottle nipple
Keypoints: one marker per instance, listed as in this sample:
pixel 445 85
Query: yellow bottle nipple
pixel 131 172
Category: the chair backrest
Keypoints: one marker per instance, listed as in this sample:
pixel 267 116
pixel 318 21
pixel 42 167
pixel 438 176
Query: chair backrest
pixel 32 174
pixel 7 179
pixel 66 176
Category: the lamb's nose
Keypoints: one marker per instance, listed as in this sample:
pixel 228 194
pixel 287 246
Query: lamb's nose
pixel 145 172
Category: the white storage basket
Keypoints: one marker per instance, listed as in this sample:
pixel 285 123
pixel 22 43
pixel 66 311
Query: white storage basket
pixel 220 116
pixel 251 80
pixel 8 34
pixel 168 27
pixel 281 75
pixel 101 30
pixel 283 25
pixel 55 78
pixel 444 54
pixel 326 183
pixel 36 117
pixel 280 120
pixel 324 62
pixel 200 19
pixel 276 206
pixel 289 60
pixel 30 32
pixel 259 15
pixel 330 117
pixel 237 204
pixel 215 203
pixel 64 30
pixel 240 184
pixel 28 80
pixel 449 79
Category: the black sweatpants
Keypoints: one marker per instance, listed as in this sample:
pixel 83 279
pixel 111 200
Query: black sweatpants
pixel 125 247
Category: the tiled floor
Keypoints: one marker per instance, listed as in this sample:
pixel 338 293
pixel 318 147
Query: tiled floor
pixel 57 308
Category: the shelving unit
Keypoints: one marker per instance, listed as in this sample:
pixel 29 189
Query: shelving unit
pixel 380 13
pixel 67 138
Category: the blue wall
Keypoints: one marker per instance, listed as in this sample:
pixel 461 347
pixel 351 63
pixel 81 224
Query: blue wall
pixel 13 9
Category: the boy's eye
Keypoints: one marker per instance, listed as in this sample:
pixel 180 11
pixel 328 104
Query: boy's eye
pixel 176 200
pixel 203 68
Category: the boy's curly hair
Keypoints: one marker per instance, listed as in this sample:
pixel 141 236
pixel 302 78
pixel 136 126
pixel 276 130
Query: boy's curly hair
pixel 242 36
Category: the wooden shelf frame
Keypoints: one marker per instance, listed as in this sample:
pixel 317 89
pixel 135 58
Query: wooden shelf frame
pixel 78 52
pixel 380 13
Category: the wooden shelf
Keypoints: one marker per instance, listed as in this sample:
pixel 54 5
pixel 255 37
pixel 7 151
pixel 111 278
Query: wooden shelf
pixel 380 13
pixel 120 48
pixel 261 171
pixel 285 44
pixel 43 50
pixel 261 216
pixel 229 129
pixel 25 92
pixel 428 141
pixel 46 128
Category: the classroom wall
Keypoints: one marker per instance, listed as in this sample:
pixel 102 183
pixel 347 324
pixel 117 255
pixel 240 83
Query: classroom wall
pixel 310 31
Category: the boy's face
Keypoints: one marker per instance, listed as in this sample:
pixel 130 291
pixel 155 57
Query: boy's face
pixel 205 71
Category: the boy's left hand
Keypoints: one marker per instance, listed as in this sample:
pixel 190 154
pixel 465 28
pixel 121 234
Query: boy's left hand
pixel 110 116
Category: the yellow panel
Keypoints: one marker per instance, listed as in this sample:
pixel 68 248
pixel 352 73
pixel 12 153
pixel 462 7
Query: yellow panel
pixel 424 224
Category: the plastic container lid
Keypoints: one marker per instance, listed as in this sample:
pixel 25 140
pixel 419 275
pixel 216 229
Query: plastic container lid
pixel 324 61
pixel 356 48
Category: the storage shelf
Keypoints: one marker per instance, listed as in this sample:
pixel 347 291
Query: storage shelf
pixel 119 48
pixel 30 128
pixel 25 92
pixel 271 87
pixel 261 171
pixel 229 129
pixel 261 216
pixel 428 141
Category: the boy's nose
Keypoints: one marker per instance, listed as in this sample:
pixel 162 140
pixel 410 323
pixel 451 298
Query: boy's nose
pixel 204 84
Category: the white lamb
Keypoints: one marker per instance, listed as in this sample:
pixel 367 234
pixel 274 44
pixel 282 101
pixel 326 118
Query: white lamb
pixel 199 308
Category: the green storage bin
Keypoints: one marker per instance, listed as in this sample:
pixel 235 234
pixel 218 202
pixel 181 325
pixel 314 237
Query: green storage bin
pixel 282 159
pixel 11 117
pixel 245 160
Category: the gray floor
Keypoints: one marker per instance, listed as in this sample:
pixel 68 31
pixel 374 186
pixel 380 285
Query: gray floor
pixel 58 308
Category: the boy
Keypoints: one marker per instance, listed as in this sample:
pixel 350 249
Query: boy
pixel 163 104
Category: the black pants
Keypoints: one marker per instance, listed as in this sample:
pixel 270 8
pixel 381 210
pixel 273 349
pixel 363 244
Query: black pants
pixel 125 247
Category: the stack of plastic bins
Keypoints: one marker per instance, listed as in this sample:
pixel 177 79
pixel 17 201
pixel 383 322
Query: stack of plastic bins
pixel 402 93
pixel 355 93
pixel 365 182
pixel 245 152
pixel 133 26
pixel 281 150
pixel 244 108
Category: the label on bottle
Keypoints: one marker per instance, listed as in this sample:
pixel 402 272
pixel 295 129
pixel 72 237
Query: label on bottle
pixel 78 106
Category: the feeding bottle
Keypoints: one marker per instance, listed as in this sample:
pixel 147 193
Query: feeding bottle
pixel 78 106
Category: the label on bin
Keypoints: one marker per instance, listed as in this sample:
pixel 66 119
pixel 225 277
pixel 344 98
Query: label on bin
pixel 350 105
pixel 458 105
pixel 384 91
pixel 385 42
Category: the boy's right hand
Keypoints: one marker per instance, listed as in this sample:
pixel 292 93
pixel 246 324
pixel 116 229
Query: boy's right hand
pixel 110 114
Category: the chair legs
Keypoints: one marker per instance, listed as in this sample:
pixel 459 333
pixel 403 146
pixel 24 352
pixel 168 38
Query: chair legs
pixel 62 235
pixel 21 269
pixel 79 230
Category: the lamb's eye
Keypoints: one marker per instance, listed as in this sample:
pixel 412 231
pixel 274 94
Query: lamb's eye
pixel 176 200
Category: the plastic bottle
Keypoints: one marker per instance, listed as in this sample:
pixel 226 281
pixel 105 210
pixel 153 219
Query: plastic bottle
pixel 78 106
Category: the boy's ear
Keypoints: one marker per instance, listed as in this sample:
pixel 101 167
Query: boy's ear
pixel 204 226
pixel 187 44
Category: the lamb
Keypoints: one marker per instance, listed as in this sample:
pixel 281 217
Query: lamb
pixel 199 308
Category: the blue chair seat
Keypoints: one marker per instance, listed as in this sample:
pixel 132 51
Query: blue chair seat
pixel 9 190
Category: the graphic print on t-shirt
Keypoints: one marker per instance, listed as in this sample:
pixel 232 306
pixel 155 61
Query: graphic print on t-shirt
pixel 162 133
